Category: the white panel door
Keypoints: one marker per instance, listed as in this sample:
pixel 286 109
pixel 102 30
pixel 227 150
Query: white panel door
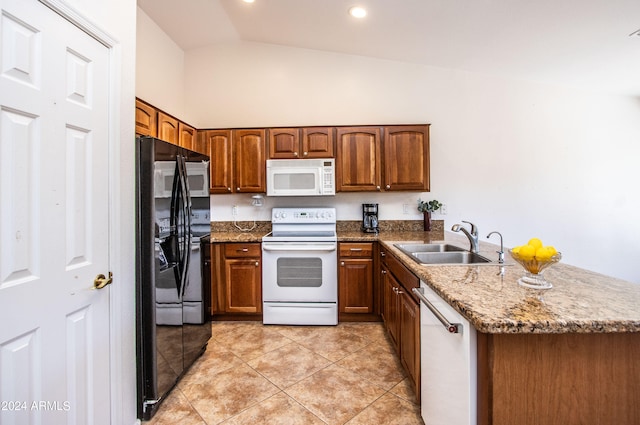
pixel 54 327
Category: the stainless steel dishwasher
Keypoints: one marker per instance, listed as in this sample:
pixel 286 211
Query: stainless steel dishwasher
pixel 448 362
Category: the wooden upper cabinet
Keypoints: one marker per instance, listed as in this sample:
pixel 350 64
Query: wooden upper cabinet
pixel 146 119
pixel 284 143
pixel 317 142
pixel 249 147
pixel 303 143
pixel 358 159
pixel 187 137
pixel 406 157
pixel 220 153
pixel 168 128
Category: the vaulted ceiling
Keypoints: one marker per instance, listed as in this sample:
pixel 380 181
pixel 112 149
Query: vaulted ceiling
pixel 581 43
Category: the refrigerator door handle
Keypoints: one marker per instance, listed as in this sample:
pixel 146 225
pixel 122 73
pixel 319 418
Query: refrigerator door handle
pixel 186 224
pixel 174 230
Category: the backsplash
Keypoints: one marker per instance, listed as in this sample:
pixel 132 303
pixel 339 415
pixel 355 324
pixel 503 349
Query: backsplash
pixel 341 226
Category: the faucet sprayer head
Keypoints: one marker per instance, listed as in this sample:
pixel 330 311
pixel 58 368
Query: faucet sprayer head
pixel 456 228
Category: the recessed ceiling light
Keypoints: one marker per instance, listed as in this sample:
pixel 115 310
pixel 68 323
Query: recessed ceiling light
pixel 357 12
pixel 248 1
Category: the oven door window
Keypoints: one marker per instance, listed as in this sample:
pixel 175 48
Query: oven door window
pixel 302 272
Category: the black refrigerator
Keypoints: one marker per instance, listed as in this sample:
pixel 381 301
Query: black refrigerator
pixel 172 314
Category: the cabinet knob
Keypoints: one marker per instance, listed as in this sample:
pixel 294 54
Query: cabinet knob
pixel 228 189
pixel 382 254
pixel 295 154
pixel 305 153
pixel 384 272
pixel 388 187
pixel 342 263
pixel 377 187
pixel 257 263
pixel 237 189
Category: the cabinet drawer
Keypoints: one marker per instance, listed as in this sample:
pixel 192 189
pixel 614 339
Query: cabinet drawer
pixel 358 249
pixel 403 274
pixel 242 250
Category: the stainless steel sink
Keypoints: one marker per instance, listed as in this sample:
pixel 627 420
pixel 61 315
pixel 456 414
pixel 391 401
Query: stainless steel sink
pixel 409 248
pixel 441 254
pixel 460 257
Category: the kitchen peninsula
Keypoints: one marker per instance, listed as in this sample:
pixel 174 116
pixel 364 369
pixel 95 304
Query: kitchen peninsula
pixel 568 355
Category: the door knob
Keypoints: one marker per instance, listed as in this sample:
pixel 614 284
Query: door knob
pixel 101 281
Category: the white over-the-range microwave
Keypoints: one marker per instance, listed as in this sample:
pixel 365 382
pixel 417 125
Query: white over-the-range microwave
pixel 301 177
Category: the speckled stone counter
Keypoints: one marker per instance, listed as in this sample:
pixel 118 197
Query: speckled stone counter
pixel 489 296
pixel 491 299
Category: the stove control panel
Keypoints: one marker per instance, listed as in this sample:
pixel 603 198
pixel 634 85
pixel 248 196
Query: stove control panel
pixel 303 215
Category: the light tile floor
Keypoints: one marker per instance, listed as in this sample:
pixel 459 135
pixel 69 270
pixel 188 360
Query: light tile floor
pixel 288 375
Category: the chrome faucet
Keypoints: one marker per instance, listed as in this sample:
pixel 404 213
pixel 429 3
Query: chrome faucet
pixel 473 236
pixel 501 252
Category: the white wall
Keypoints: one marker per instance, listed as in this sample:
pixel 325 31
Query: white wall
pixel 160 68
pixel 117 19
pixel 523 158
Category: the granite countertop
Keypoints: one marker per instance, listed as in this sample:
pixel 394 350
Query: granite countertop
pixel 580 301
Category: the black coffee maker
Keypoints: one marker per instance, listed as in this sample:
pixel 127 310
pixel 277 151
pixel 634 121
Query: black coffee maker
pixel 370 218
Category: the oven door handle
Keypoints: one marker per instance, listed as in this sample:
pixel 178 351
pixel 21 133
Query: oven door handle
pixel 299 246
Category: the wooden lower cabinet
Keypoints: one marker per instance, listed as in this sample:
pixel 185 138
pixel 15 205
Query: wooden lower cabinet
pixel 236 279
pixel 355 278
pixel 531 379
pixel 401 315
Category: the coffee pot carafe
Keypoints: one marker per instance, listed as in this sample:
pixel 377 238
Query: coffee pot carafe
pixel 370 218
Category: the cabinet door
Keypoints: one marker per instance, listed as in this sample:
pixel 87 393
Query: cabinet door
pixel 250 162
pixel 187 136
pixel 317 142
pixel 221 165
pixel 410 338
pixel 146 120
pixel 284 143
pixel 406 155
pixel 390 305
pixel 201 143
pixel 243 285
pixel 167 128
pixel 358 159
pixel 355 283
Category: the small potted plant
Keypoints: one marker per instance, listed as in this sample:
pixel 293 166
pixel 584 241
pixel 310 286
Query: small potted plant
pixel 427 208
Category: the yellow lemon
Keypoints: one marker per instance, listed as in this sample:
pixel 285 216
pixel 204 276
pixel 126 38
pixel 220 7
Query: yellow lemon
pixel 552 250
pixel 543 254
pixel 527 252
pixel 535 242
pixel 515 249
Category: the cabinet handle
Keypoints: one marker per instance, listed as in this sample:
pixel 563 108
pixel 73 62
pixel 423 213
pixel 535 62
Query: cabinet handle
pixel 453 328
pixel 388 187
pixel 382 254
pixel 384 272
pixel 356 249
pixel 242 250
pixel 342 263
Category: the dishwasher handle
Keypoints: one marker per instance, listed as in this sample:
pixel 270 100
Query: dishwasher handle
pixel 453 328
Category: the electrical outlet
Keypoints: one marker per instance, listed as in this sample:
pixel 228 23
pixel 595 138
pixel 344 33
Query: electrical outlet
pixel 234 210
pixel 405 208
pixel 443 209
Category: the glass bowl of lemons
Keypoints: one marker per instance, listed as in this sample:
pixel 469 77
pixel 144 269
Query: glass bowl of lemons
pixel 535 258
